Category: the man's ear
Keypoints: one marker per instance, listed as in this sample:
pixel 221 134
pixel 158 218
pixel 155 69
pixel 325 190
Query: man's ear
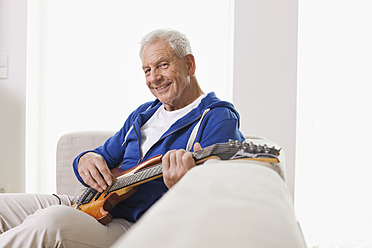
pixel 190 62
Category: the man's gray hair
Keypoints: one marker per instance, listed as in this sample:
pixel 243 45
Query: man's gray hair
pixel 177 40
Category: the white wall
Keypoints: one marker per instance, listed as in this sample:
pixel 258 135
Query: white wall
pixel 264 78
pixel 333 172
pixel 265 67
pixel 93 79
pixel 13 94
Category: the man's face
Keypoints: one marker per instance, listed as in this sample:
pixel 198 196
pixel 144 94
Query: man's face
pixel 167 76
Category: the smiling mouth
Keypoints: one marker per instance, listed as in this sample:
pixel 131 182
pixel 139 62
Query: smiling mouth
pixel 162 87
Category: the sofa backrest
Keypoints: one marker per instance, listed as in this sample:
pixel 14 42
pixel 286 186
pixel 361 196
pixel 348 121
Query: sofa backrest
pixel 69 146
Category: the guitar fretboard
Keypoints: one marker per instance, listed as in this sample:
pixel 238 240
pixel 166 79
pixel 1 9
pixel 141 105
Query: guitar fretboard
pixel 224 151
pixel 139 176
pixel 122 182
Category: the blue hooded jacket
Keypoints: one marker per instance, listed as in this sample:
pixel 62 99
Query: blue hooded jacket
pixel 219 125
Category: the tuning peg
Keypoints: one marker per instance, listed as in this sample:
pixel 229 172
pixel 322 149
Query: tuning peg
pixel 249 146
pixel 259 148
pixel 252 146
pixel 235 142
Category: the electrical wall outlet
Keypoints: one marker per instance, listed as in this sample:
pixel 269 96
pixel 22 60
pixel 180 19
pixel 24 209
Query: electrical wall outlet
pixel 3 188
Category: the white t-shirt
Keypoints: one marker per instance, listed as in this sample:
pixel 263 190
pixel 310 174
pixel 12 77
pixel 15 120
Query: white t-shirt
pixel 161 121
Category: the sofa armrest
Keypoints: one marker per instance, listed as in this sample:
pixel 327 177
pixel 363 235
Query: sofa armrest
pixel 69 146
pixel 220 204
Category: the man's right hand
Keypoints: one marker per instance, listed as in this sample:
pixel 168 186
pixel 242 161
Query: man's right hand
pixel 94 171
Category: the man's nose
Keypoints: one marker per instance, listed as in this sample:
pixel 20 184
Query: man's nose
pixel 155 76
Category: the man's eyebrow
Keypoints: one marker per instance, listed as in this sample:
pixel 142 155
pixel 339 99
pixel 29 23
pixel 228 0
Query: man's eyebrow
pixel 157 62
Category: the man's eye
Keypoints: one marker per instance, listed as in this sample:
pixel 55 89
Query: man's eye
pixel 163 65
pixel 147 71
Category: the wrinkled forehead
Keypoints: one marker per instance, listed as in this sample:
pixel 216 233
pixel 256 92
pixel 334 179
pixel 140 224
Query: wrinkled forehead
pixel 156 49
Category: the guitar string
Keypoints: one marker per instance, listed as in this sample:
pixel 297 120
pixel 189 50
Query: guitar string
pixel 137 177
pixel 156 170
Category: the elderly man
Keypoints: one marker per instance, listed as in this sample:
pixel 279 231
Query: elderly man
pixel 180 119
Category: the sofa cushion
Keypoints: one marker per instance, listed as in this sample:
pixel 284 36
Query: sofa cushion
pixel 220 204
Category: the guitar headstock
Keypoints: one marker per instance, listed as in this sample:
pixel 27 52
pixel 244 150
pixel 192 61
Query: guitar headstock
pixel 238 150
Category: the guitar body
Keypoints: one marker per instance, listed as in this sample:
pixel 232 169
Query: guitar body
pixel 125 184
pixel 100 209
pixel 101 206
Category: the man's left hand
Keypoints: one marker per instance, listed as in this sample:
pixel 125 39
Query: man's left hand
pixel 176 163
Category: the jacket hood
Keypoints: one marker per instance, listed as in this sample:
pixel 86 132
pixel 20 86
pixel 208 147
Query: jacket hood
pixel 211 101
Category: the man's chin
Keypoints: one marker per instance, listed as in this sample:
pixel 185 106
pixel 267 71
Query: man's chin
pixel 161 96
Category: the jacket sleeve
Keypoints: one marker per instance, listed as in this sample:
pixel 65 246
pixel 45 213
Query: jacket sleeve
pixel 112 150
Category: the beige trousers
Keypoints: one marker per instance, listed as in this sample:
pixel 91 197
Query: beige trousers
pixel 35 220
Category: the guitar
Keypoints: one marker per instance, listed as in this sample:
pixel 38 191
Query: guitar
pixel 99 204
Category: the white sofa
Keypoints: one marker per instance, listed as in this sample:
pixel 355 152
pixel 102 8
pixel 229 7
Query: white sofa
pixel 219 204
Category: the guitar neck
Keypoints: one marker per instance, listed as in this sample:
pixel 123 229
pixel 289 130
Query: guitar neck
pixel 152 168
pixel 225 151
pixel 147 172
pixel 138 177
